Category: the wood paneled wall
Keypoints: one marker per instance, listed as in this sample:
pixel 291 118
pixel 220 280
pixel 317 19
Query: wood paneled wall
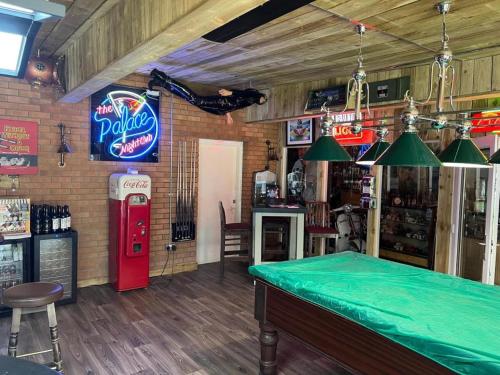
pixel 473 77
pixel 478 77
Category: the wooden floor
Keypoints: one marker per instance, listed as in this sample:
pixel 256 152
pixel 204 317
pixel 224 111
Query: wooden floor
pixel 191 325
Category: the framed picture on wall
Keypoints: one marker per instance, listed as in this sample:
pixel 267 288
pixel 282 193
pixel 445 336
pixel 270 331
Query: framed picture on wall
pixel 300 132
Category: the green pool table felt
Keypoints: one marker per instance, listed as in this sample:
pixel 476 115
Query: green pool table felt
pixel 453 321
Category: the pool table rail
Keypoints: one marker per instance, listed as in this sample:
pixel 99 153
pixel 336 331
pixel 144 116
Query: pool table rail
pixel 354 347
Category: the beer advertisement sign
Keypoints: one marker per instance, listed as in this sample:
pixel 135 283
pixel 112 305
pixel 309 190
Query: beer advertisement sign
pixel 18 147
pixel 344 135
pixel 124 125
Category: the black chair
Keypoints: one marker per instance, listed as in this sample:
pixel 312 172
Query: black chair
pixel 234 235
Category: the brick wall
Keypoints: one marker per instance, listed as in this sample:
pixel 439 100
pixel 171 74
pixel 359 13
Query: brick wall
pixel 83 184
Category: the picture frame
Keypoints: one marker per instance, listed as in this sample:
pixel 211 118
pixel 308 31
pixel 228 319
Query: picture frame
pixel 300 132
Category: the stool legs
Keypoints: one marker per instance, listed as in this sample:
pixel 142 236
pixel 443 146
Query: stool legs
pixel 54 336
pixel 14 331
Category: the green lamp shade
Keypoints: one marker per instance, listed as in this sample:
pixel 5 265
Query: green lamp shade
pixel 495 158
pixel 409 151
pixel 463 153
pixel 326 148
pixel 373 153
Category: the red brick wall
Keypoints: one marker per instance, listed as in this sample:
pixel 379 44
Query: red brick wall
pixel 83 184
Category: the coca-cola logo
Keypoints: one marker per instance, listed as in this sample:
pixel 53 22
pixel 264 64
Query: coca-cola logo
pixel 135 184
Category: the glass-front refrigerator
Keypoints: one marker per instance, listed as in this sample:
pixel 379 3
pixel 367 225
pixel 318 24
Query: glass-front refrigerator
pixel 14 266
pixel 478 218
pixel 55 260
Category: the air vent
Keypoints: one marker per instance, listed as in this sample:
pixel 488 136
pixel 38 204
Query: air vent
pixel 257 17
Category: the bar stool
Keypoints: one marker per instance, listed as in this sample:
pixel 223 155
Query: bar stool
pixel 30 298
pixel 233 235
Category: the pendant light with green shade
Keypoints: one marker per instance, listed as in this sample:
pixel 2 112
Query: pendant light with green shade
pixel 326 148
pixel 409 150
pixel 495 158
pixel 463 152
pixel 376 150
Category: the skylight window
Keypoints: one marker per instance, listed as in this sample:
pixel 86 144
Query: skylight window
pixel 15 8
pixel 20 20
pixel 12 53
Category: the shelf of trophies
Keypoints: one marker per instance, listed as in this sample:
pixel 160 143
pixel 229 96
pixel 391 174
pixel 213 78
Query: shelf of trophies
pixel 407 232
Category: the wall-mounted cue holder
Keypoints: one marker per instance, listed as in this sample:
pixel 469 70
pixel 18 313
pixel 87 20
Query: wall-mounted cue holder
pixel 184 228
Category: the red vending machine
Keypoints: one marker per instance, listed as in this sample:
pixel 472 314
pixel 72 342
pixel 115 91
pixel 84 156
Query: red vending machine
pixel 129 218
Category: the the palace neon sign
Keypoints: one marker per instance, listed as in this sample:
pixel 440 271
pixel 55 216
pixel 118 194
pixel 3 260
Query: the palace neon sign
pixel 130 121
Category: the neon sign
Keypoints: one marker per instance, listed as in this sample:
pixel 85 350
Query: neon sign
pixel 344 135
pixel 487 121
pixel 124 125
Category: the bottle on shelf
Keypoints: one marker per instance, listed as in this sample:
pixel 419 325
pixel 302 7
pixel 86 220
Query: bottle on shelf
pixel 47 220
pixel 56 219
pixel 67 216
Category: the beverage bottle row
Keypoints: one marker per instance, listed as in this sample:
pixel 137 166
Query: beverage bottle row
pixel 50 219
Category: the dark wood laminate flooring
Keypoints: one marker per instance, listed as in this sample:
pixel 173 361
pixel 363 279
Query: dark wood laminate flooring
pixel 193 325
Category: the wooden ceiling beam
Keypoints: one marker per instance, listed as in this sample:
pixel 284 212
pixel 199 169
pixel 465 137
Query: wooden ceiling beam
pixel 131 33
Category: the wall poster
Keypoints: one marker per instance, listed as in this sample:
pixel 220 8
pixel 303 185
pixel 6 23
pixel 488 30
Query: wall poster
pixel 18 147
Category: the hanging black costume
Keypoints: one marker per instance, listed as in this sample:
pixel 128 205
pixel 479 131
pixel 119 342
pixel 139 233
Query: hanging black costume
pixel 216 104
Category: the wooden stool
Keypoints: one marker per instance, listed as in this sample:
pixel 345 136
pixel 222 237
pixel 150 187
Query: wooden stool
pixel 233 235
pixel 30 298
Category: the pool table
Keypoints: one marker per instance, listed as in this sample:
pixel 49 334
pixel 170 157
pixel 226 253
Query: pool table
pixel 374 316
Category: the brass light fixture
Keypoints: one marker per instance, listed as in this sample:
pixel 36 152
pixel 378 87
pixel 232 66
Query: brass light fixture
pixel 355 85
pixel 409 150
pixel 326 148
pixel 462 152
pixel 377 149
pixel 412 152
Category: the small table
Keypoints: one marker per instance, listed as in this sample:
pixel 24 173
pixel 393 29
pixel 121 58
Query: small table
pixel 296 242
pixel 16 366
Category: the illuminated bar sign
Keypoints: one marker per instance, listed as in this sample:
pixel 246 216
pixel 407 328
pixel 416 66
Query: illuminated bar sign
pixel 485 122
pixel 344 135
pixel 124 125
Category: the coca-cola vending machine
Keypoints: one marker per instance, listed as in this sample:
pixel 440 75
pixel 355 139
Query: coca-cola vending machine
pixel 129 218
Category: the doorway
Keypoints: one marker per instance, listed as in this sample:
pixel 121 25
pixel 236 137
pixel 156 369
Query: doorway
pixel 220 170
pixel 477 217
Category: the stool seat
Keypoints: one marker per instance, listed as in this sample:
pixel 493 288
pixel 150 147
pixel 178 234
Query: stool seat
pixel 31 295
pixel 316 229
pixel 238 226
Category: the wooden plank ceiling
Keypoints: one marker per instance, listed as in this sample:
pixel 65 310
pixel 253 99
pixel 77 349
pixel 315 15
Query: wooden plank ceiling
pixel 318 41
pixel 54 33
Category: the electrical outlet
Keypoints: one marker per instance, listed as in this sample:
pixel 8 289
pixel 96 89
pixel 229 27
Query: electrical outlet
pixel 170 247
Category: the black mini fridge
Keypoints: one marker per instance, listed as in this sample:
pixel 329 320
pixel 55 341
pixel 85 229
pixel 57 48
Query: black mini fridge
pixel 14 266
pixel 54 259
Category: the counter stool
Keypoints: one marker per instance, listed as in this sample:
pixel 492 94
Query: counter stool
pixel 233 235
pixel 30 298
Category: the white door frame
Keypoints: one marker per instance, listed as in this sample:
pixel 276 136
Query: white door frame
pixel 493 197
pixel 236 205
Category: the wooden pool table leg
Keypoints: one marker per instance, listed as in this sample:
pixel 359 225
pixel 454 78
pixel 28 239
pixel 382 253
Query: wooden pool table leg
pixel 268 345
